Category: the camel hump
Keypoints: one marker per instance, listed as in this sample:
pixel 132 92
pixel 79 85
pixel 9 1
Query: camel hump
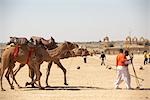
pixel 42 40
pixel 18 40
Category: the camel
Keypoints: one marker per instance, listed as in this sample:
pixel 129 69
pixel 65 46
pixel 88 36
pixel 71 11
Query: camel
pixel 36 58
pixel 24 54
pixel 50 44
pixel 55 55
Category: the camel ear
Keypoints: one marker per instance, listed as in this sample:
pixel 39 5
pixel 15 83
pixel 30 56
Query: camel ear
pixel 31 39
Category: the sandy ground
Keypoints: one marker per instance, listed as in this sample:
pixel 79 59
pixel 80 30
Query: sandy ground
pixel 90 82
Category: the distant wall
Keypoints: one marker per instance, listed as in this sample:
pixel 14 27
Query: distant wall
pixel 133 50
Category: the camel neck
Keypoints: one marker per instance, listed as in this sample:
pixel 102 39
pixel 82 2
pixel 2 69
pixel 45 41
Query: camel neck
pixel 57 52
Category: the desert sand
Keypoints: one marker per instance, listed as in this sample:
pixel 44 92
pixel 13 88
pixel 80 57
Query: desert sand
pixel 91 82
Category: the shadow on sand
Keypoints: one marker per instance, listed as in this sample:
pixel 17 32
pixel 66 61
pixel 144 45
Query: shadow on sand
pixel 144 89
pixel 71 88
pixel 77 88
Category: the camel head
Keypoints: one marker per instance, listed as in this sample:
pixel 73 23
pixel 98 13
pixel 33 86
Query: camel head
pixel 70 45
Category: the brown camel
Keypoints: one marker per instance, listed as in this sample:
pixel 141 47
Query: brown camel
pixel 49 44
pixel 55 56
pixel 24 54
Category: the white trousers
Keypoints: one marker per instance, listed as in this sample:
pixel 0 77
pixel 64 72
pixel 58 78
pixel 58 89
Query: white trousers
pixel 123 75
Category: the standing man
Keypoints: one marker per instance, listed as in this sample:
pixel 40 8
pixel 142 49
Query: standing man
pixel 84 55
pixel 102 57
pixel 149 57
pixel 145 57
pixel 122 69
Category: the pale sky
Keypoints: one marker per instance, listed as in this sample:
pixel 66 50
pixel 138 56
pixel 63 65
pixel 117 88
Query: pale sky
pixel 74 20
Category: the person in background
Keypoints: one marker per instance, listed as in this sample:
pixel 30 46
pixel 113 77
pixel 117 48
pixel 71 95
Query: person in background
pixel 149 57
pixel 102 57
pixel 145 57
pixel 84 55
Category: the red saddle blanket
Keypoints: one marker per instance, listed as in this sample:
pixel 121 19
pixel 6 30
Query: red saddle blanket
pixel 16 51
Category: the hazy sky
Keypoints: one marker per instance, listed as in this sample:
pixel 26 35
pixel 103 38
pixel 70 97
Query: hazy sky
pixel 74 20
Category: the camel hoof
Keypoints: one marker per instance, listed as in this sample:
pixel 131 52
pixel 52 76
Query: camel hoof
pixel 33 86
pixel 42 88
pixel 12 87
pixel 66 83
pixel 27 84
pixel 47 86
pixel 3 90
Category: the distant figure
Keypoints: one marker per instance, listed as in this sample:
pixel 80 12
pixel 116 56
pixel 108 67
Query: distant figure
pixel 145 57
pixel 84 54
pixel 122 69
pixel 84 58
pixel 149 57
pixel 102 57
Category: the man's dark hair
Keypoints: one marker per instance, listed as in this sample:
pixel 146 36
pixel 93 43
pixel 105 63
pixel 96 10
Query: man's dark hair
pixel 121 50
pixel 126 52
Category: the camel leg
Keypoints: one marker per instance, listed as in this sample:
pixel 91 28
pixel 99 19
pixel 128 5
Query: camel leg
pixel 1 78
pixel 63 69
pixel 17 70
pixel 48 73
pixel 31 75
pixel 7 77
pixel 5 64
pixel 38 76
pixel 15 73
pixel 14 79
